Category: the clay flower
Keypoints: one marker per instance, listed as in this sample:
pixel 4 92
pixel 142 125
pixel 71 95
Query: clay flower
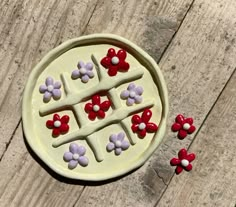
pixel 141 125
pixel 50 89
pixel 183 125
pixel 84 71
pixel 115 62
pixel 132 94
pixel 58 125
pixel 117 143
pixel 96 108
pixel 76 156
pixel 183 162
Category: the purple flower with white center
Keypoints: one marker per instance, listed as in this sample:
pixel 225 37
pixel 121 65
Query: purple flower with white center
pixel 117 143
pixel 50 89
pixel 84 71
pixel 132 94
pixel 76 156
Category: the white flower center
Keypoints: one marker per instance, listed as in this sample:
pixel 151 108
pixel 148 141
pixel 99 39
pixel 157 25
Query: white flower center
pixel 96 108
pixel 184 162
pixel 186 126
pixel 142 126
pixel 75 156
pixel 115 60
pixel 50 88
pixel 83 71
pixel 57 124
pixel 132 94
pixel 118 143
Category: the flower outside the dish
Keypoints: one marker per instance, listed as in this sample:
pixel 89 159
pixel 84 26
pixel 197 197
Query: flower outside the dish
pixel 133 94
pixel 76 156
pixel 50 89
pixel 58 125
pixel 84 71
pixel 117 143
pixel 183 161
pixel 115 62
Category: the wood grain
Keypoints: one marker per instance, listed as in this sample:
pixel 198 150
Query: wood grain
pixel 196 65
pixel 213 179
pixel 43 25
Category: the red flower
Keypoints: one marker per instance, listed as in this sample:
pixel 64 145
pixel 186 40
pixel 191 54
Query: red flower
pixel 183 162
pixel 141 125
pixel 96 108
pixel 115 61
pixel 58 125
pixel 183 125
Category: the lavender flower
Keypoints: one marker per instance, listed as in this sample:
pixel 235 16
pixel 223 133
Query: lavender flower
pixel 50 89
pixel 84 71
pixel 76 156
pixel 117 143
pixel 132 94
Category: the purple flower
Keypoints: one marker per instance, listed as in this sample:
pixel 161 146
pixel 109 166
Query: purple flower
pixel 132 94
pixel 75 156
pixel 84 71
pixel 50 89
pixel 117 143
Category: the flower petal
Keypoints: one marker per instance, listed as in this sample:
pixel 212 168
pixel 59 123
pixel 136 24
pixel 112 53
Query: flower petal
pixel 131 87
pixel 112 71
pixel 110 146
pixel 139 90
pixel 101 114
pixel 178 169
pixel 190 157
pixel 96 100
pixel 47 96
pixel 113 138
pixel 68 156
pixel 64 128
pixel 92 115
pixel 57 85
pixel 83 161
pixel 138 99
pixel 142 133
pixel 81 150
pixel 49 81
pixel 43 88
pixel 56 117
pixel 50 124
pixel 75 74
pixel 105 105
pixel 118 151
pixel 182 154
pixel 74 148
pixel 189 167
pixel 182 134
pixel 130 101
pixel 125 145
pixel 121 54
pixel 151 127
pixel 175 161
pixel 111 53
pixel 134 127
pixel 55 132
pixel 56 93
pixel 85 78
pixel 176 127
pixel 124 94
pixel 90 74
pixel 136 119
pixel 121 136
pixel 81 64
pixel 73 164
pixel 146 116
pixel 106 62
pixel 124 66
pixel 89 66
pixel 88 107
pixel 191 129
pixel 65 119
pixel 179 119
pixel 189 120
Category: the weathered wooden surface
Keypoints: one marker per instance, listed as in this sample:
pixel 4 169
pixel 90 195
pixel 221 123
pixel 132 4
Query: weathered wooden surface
pixel 197 63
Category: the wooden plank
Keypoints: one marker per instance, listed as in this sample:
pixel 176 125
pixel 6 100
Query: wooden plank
pixel 22 178
pixel 197 65
pixel 212 181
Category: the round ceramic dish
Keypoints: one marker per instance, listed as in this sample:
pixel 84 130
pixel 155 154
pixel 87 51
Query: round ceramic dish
pixel 58 113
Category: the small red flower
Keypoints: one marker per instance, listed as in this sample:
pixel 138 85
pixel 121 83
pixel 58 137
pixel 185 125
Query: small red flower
pixel 115 61
pixel 141 125
pixel 183 125
pixel 183 162
pixel 96 108
pixel 58 125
